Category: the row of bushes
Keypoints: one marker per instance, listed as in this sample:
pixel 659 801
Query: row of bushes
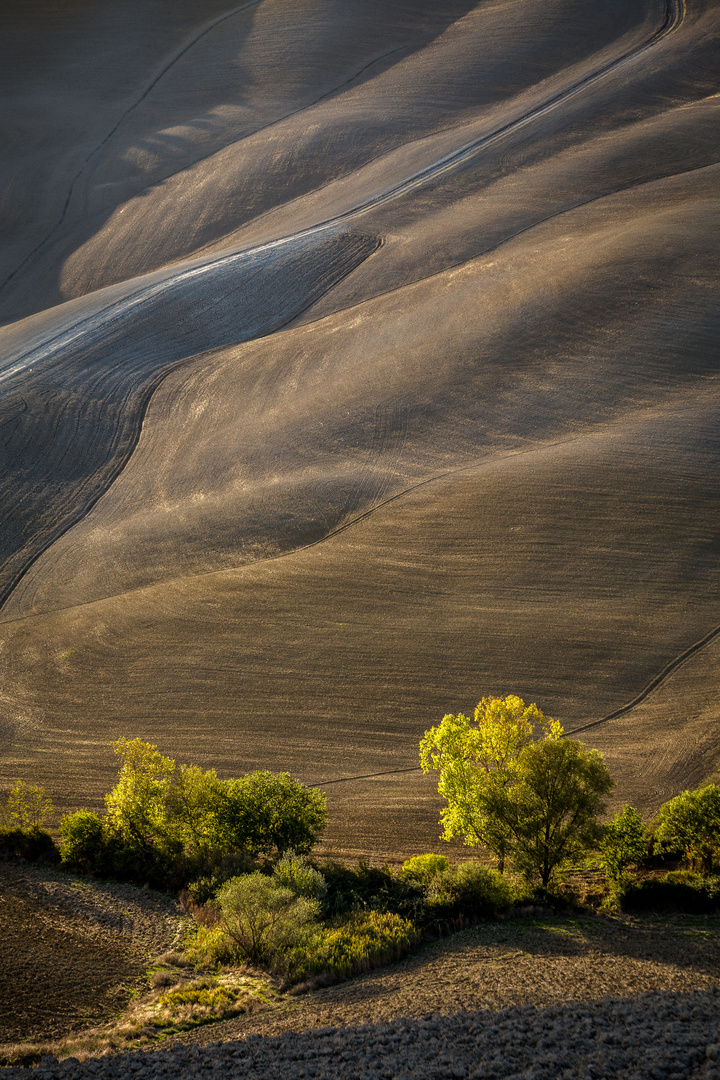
pixel 302 921
pixel 169 825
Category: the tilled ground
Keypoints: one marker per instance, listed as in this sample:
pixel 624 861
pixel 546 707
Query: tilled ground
pixel 540 962
pixel 661 1036
pixel 71 951
pixel 535 997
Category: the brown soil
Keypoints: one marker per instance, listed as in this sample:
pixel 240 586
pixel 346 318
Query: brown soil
pixel 71 951
pixel 482 459
pixel 540 961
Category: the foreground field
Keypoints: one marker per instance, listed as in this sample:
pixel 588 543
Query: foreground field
pixel 530 961
pixel 72 951
pixel 75 952
pixel 358 360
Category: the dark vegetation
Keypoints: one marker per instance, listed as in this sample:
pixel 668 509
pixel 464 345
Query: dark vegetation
pixel 34 844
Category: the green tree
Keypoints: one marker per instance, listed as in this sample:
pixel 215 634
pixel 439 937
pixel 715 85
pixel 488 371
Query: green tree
pixel 624 841
pixel 166 821
pixel 265 813
pixel 193 808
pixel 29 805
pixel 264 917
pixel 690 823
pixel 478 761
pixel 551 810
pixel 136 805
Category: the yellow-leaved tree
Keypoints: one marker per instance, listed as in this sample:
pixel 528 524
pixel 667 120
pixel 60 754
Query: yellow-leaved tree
pixel 478 761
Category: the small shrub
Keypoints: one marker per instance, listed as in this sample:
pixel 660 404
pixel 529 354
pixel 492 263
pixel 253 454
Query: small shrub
pixel 263 917
pixel 471 892
pixel 204 889
pixel 423 868
pixel 362 942
pixel 210 995
pixel 83 840
pixel 172 959
pixel 623 843
pixel 164 977
pixel 366 940
pixel 33 844
pixel 294 872
pixel 211 945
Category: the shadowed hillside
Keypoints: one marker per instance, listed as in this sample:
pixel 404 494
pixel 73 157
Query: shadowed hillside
pixel 359 360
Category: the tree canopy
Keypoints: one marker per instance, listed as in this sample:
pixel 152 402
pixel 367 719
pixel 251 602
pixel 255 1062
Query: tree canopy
pixel 136 805
pixel 264 812
pixel 478 760
pixel 515 786
pixel 28 805
pixel 166 820
pixel 551 810
pixel 690 823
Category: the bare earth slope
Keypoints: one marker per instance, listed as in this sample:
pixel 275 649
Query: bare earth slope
pixel 359 359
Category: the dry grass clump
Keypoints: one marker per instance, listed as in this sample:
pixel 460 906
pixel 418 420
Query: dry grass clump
pixel 172 959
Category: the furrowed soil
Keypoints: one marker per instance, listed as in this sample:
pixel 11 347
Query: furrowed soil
pixel 537 961
pixel 72 951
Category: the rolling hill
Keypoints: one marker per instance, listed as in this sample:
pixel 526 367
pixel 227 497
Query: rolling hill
pixel 357 360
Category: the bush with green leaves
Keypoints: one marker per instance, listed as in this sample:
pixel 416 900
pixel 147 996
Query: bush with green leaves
pixel 83 839
pixel 423 868
pixel 675 893
pixel 33 844
pixel 358 942
pixel 264 918
pixel 363 941
pixel 350 890
pixel 624 843
pixel 93 845
pixel 470 891
pixel 690 824
pixel 295 872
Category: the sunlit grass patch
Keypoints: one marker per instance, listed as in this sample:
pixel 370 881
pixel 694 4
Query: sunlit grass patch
pixel 192 1000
